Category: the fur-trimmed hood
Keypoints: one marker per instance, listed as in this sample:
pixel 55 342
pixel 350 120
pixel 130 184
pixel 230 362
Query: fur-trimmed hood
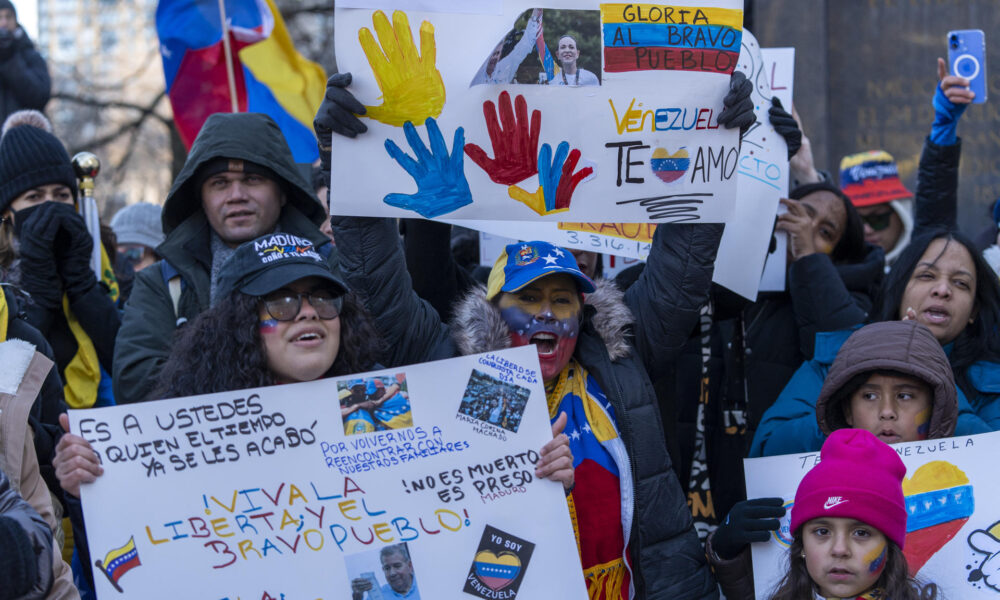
pixel 478 327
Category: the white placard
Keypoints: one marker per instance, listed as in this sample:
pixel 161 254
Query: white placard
pixel 643 145
pixel 779 72
pixel 953 526
pixel 274 493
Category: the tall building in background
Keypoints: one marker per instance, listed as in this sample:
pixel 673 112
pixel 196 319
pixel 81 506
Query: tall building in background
pixel 107 85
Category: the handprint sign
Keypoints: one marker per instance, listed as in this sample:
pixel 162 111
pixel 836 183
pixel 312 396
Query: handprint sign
pixel 556 179
pixel 411 85
pixel 514 140
pixel 440 177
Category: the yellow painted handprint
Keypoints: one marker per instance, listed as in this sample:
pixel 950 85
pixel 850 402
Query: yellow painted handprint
pixel 412 89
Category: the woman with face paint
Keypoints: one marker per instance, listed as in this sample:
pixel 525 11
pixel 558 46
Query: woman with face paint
pixel 940 281
pixel 596 347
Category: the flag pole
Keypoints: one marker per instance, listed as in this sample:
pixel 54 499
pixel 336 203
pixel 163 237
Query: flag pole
pixel 230 75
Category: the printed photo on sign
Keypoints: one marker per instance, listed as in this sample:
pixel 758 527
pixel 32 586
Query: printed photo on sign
pixel 492 401
pixel 499 565
pixel 382 574
pixel 374 404
pixel 571 56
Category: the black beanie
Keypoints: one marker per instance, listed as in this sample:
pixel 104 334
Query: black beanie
pixel 9 5
pixel 30 157
pixel 18 564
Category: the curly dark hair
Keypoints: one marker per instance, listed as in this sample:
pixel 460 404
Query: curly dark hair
pixel 221 350
pixel 895 578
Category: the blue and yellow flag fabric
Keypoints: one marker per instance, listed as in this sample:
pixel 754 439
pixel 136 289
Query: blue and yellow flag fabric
pixel 270 76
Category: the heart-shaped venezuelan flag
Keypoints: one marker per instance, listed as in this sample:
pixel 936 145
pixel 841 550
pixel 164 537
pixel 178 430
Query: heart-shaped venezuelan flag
pixel 497 572
pixel 669 167
pixel 939 501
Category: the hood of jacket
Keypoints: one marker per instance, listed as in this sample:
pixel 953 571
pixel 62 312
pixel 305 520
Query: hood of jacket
pixel 478 327
pixel 904 209
pixel 247 136
pixel 903 346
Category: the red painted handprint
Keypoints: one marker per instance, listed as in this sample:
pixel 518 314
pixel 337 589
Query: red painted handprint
pixel 514 139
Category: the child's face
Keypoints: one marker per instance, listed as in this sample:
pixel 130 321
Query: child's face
pixel 844 557
pixel 894 408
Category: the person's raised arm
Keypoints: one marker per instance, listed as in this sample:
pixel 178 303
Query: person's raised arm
pixel 936 200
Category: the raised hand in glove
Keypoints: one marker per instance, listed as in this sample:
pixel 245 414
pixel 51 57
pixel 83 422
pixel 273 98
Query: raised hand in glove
pixel 748 521
pixel 338 112
pixel 36 228
pixel 738 111
pixel 73 249
pixel 786 125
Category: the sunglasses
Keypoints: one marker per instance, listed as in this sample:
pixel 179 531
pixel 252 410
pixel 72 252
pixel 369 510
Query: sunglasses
pixel 878 221
pixel 284 305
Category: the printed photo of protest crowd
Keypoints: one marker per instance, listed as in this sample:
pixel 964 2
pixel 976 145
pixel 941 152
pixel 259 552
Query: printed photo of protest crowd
pixel 658 382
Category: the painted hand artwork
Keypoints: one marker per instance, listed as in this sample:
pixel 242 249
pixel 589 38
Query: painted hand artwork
pixel 556 178
pixel 573 62
pixel 514 140
pixel 440 176
pixel 411 85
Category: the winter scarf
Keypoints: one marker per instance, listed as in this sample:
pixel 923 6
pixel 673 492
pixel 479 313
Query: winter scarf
pixel 599 459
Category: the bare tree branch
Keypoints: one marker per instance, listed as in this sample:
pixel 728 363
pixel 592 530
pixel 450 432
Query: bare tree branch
pixel 97 103
pixel 145 113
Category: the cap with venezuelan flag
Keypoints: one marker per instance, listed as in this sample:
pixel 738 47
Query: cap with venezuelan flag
pixel 871 178
pixel 521 263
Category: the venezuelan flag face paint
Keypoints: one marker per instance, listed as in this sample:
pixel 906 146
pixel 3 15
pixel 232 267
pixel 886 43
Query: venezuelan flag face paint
pixel 844 557
pixel 268 326
pixel 546 312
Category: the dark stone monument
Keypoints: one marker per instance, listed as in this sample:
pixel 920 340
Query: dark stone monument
pixel 865 72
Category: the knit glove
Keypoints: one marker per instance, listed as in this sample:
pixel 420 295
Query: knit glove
pixel 748 521
pixel 946 116
pixel 337 113
pixel 786 126
pixel 738 111
pixel 74 246
pixel 36 229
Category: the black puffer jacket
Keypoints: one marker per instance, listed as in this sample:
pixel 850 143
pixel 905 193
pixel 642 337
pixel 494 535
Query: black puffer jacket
pixel 24 78
pixel 667 560
pixel 755 349
pixel 937 187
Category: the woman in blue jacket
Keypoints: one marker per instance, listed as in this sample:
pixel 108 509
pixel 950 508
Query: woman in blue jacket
pixel 941 281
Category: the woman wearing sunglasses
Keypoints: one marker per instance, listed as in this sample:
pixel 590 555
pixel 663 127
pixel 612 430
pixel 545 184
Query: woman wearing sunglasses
pixel 281 317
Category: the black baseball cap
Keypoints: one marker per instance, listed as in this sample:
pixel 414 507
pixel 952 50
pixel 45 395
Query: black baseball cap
pixel 271 262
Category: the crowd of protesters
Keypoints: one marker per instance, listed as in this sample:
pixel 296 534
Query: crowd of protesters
pixel 886 332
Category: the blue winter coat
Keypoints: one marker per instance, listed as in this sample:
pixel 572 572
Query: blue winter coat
pixel 790 425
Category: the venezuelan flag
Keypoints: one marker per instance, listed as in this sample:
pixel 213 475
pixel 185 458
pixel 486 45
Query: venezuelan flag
pixel 119 561
pixel 270 76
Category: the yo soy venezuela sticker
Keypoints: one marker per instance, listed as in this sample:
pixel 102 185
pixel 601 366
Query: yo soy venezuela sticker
pixel 499 565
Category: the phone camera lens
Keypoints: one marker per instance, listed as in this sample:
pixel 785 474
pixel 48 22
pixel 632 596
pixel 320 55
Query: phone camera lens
pixel 954 41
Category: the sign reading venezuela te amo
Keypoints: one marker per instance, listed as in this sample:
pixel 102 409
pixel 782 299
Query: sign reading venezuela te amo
pixel 581 111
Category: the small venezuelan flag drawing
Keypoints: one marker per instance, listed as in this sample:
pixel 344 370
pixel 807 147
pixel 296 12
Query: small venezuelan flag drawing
pixel 119 561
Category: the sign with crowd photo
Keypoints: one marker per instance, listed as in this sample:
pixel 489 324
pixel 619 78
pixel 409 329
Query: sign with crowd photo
pixel 953 519
pixel 582 111
pixel 362 486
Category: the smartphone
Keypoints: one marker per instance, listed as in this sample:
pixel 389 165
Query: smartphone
pixel 967 58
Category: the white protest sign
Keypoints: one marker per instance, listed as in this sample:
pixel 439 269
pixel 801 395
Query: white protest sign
pixel 286 492
pixel 623 128
pixel 763 179
pixel 953 523
pixel 629 240
pixel 779 71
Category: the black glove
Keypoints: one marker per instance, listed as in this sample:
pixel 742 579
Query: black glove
pixel 337 113
pixel 785 125
pixel 36 228
pixel 739 107
pixel 73 248
pixel 748 521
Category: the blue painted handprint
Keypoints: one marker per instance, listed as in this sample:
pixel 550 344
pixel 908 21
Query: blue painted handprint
pixel 441 184
pixel 556 180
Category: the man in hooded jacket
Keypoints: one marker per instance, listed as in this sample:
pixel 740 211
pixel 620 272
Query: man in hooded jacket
pixel 239 182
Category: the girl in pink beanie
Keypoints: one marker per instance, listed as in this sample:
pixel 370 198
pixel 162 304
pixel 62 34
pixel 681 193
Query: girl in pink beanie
pixel 849 525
